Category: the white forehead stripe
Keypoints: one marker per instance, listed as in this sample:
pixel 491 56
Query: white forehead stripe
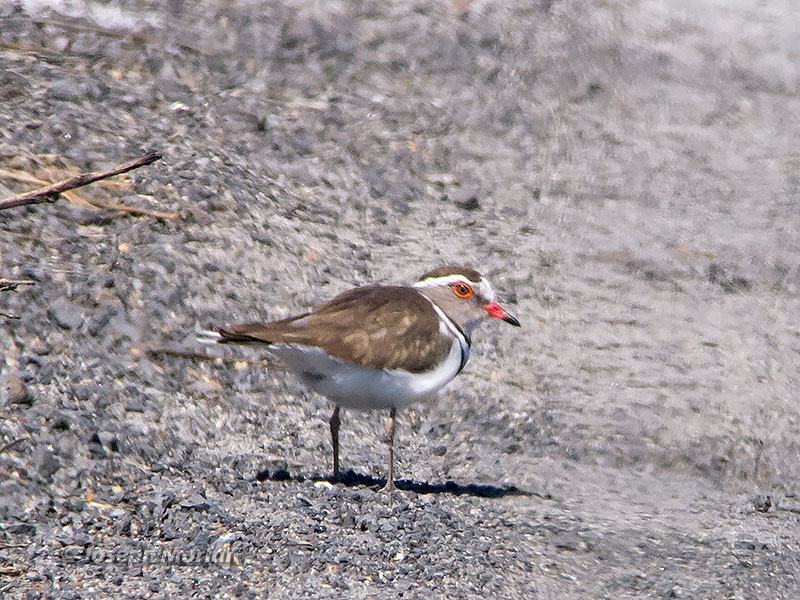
pixel 484 288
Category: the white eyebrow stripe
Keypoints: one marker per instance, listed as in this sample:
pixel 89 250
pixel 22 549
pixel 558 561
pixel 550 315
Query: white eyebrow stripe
pixel 484 287
pixel 448 279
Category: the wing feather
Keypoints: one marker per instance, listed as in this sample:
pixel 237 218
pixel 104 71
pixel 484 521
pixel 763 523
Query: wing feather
pixel 378 327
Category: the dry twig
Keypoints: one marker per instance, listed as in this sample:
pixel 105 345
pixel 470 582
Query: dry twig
pixel 13 443
pixel 74 198
pixel 132 210
pixel 11 285
pixel 51 192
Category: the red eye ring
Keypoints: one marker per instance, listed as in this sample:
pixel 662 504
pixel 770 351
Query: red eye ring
pixel 462 290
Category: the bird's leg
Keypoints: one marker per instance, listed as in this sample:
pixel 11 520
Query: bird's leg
pixel 389 487
pixel 334 423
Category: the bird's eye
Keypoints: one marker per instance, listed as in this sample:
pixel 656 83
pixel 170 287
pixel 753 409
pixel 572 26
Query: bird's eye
pixel 462 290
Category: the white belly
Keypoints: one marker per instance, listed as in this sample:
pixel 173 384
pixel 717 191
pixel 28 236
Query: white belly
pixel 351 386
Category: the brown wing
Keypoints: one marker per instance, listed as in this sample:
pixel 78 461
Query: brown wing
pixel 379 327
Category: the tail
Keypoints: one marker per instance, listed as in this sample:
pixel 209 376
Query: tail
pixel 207 336
pixel 225 336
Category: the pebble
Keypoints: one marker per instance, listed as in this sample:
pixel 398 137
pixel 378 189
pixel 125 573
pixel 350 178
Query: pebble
pixel 84 391
pixel 20 528
pixel 40 348
pixel 16 392
pixel 66 314
pixel 135 406
pixel 119 327
pixel 99 320
pixel 389 524
pixel 44 461
pixel 196 502
pixel 66 89
pixel 466 198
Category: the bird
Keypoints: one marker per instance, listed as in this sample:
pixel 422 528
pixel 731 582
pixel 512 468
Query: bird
pixel 379 347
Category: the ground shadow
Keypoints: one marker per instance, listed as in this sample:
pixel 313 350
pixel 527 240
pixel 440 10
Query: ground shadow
pixel 353 479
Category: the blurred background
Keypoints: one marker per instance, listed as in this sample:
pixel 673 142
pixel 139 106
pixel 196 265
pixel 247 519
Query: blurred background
pixel 625 173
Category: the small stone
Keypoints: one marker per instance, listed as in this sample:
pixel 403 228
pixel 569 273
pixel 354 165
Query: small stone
pixel 31 272
pixel 46 464
pixel 27 376
pixel 20 529
pixel 195 502
pixel 135 406
pixel 281 475
pixel 30 359
pixel 83 391
pixel 40 348
pixel 123 524
pixel 109 441
pixel 95 446
pixel 100 320
pixel 16 392
pixel 162 502
pixel 730 283
pixel 66 89
pixel 568 542
pixel 389 524
pixel 66 315
pixel 762 503
pixel 120 327
pixel 60 422
pixel 467 199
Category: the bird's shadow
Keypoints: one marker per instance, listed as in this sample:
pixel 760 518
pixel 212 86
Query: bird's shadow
pixel 353 479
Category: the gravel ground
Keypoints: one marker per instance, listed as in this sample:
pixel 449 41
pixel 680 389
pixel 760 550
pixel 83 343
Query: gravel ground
pixel 626 173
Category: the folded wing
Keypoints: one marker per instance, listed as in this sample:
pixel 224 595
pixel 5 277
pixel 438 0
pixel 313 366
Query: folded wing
pixel 377 327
